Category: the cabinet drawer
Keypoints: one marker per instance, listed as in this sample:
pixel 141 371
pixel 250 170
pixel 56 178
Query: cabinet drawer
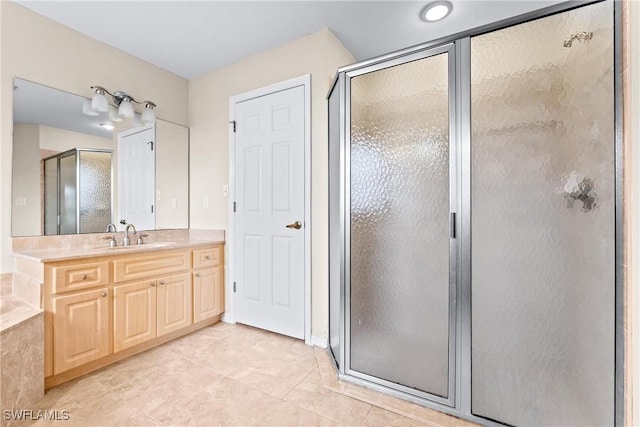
pixel 72 277
pixel 209 257
pixel 138 267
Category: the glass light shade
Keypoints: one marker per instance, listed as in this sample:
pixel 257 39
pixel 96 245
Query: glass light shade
pixel 99 103
pixel 126 109
pixel 148 115
pixel 113 114
pixel 86 108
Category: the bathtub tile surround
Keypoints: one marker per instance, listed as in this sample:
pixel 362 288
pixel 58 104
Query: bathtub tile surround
pixel 5 284
pixel 195 381
pixel 21 355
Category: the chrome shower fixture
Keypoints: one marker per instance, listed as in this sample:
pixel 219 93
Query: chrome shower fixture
pixel 583 36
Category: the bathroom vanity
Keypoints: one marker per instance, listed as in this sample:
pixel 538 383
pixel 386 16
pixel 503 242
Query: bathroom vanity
pixel 105 304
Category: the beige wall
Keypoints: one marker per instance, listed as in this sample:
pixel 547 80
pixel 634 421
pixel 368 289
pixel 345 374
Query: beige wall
pixel 62 140
pixel 319 54
pixel 25 219
pixel 172 175
pixel 38 49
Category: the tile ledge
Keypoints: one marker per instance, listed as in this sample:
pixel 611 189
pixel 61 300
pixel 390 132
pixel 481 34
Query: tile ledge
pixel 14 311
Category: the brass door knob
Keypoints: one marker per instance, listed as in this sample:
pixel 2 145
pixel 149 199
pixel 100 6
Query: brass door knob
pixel 297 225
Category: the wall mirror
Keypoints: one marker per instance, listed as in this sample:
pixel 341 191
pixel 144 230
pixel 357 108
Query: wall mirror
pixel 65 166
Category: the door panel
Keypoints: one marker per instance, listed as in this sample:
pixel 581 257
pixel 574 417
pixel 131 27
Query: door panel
pixel 134 314
pixel 543 216
pixel 81 328
pixel 174 303
pixel 269 151
pixel 136 179
pixel 400 203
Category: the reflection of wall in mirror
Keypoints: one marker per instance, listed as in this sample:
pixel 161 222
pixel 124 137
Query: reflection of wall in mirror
pixel 172 175
pixel 31 144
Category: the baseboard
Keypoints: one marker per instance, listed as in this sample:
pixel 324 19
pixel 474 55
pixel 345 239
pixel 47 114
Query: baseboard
pixel 318 342
pixel 228 318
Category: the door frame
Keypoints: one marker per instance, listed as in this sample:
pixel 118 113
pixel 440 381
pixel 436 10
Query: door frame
pixel 305 82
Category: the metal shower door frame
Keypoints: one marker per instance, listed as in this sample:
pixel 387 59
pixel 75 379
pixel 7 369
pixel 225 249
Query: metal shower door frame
pixel 450 50
pixel 459 401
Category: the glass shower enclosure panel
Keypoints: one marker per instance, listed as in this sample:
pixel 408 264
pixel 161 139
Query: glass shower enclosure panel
pixel 77 191
pixel 400 303
pixel 543 218
pixel 336 247
pixel 68 203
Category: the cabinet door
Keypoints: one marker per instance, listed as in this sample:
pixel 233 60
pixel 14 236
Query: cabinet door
pixel 80 328
pixel 134 313
pixel 208 294
pixel 174 303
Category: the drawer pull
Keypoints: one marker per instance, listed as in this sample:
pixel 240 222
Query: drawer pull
pixel 162 282
pixel 152 283
pixel 103 294
pixel 208 257
pixel 197 274
pixel 84 277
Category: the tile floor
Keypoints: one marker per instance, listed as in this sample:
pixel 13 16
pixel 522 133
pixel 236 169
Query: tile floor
pixel 229 375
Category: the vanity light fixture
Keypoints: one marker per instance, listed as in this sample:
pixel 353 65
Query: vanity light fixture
pixel 121 100
pixel 436 11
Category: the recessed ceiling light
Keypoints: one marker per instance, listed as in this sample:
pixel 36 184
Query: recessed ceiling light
pixel 435 11
pixel 107 126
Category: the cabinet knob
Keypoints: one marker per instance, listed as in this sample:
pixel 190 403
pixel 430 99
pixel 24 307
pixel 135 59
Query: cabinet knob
pixel 162 282
pixel 84 277
pixel 197 274
pixel 152 283
pixel 208 257
pixel 103 294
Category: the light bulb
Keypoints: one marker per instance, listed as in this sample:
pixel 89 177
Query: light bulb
pixel 126 109
pixel 436 11
pixel 148 115
pixel 99 102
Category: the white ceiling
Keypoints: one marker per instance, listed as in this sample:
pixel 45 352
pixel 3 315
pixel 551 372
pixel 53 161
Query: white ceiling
pixel 191 38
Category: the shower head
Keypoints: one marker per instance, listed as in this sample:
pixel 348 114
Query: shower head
pixel 581 36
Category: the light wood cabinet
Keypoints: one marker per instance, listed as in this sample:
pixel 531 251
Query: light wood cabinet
pixel 145 310
pixel 74 276
pixel 174 303
pixel 150 265
pixel 134 314
pixel 102 309
pixel 208 294
pixel 81 326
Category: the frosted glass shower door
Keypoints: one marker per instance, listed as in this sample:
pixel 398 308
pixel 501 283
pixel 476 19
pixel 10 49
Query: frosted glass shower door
pixel 400 180
pixel 543 218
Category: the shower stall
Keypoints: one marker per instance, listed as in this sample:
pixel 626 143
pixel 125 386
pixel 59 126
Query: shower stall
pixel 474 218
pixel 77 191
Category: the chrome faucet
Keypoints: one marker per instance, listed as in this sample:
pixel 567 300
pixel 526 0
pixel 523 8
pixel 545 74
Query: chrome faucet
pixel 111 228
pixel 126 241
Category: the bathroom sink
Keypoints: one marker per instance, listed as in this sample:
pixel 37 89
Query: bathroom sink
pixel 150 245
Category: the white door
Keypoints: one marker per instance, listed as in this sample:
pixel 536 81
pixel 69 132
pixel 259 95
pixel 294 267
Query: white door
pixel 136 179
pixel 269 212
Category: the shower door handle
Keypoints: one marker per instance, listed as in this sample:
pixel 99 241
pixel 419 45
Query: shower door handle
pixel 452 225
